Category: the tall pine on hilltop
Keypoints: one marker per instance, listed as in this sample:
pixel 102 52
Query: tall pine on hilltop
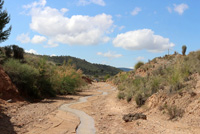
pixel 4 20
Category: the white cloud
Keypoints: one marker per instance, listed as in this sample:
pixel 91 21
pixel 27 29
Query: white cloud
pixel 109 54
pixel 140 58
pixel 121 27
pixel 53 55
pixel 136 11
pixel 64 10
pixel 51 43
pixel 180 8
pixel 34 4
pixel 23 38
pixel 87 2
pixel 38 39
pixel 77 30
pixel 32 51
pixel 169 9
pixel 144 39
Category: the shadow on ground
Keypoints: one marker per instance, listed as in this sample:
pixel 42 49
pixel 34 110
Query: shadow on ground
pixel 6 127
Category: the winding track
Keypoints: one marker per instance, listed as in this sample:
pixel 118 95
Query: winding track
pixel 87 125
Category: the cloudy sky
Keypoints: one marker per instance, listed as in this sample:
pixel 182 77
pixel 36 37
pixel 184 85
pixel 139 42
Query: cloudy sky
pixel 113 32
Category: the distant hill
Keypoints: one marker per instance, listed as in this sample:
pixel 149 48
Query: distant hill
pixel 126 69
pixel 87 67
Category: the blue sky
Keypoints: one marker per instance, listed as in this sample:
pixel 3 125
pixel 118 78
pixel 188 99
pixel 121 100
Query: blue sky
pixel 113 32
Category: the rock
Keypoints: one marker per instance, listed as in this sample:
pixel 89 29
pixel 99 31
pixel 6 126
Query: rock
pixel 130 117
pixel 126 118
pixel 9 101
pixel 142 116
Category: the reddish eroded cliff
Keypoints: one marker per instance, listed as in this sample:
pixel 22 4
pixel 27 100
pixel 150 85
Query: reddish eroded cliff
pixel 8 90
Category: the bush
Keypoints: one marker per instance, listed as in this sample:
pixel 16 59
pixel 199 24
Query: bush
pixel 198 56
pixel 158 71
pixel 8 51
pixel 129 97
pixel 106 77
pixel 138 65
pixel 66 79
pixel 121 87
pixel 121 95
pixel 68 85
pixel 174 112
pixel 24 76
pixel 29 80
pixel 18 52
pixel 184 49
pixel 139 99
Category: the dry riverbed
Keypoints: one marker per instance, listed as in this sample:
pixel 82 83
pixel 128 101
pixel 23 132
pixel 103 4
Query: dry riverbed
pixel 40 118
pixel 48 117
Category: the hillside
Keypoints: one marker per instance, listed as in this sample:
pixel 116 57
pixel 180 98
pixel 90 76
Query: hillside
pixel 85 66
pixel 169 83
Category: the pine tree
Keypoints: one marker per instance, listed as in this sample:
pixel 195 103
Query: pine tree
pixel 4 20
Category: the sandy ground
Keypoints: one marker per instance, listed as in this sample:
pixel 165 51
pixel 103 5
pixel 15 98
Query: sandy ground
pixel 107 111
pixel 40 118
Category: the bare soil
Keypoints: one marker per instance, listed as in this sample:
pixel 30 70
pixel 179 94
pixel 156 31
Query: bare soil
pixel 107 111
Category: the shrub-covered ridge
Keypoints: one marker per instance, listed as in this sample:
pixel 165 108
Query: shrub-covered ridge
pixel 170 74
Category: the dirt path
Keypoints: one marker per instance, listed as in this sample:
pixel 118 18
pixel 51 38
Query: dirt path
pixel 104 107
pixel 108 111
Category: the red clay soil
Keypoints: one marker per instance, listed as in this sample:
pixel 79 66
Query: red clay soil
pixel 7 89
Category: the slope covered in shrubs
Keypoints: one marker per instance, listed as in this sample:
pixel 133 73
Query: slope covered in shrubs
pixel 37 78
pixel 172 74
pixel 86 67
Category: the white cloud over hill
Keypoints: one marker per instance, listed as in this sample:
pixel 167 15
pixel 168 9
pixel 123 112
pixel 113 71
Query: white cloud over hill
pixel 31 51
pixel 109 54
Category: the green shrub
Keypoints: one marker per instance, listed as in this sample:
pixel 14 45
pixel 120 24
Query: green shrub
pixel 68 85
pixel 158 71
pixel 154 84
pixel 121 87
pixel 121 95
pixel 138 65
pixel 18 52
pixel 24 76
pixel 29 80
pixel 106 77
pixel 8 51
pixel 129 97
pixel 198 56
pixel 174 111
pixel 45 87
pixel 139 99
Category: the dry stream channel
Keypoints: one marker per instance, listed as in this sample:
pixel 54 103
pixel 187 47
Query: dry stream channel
pixel 87 124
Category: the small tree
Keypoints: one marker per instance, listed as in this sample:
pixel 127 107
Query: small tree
pixel 184 48
pixel 138 65
pixel 4 20
pixel 18 52
pixel 8 51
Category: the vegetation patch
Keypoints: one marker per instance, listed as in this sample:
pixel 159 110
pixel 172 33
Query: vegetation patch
pixel 37 78
pixel 171 77
pixel 138 65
